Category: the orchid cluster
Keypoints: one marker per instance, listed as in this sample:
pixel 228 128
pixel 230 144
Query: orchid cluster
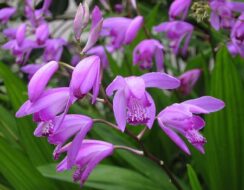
pixel 132 103
pixel 34 34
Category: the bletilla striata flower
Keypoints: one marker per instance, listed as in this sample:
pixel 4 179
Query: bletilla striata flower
pixel 6 13
pixel 86 77
pixel 132 103
pixel 90 153
pixel 59 133
pixel 182 118
pixel 146 51
pixel 179 9
pixel 121 30
pixel 176 31
pixel 19 45
pixel 36 16
pixel 188 80
pixel 222 13
pixel 237 37
pixel 45 105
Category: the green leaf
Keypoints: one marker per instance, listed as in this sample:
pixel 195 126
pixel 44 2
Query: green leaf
pixel 8 126
pixel 224 159
pixel 195 185
pixel 19 172
pixel 38 150
pixel 106 177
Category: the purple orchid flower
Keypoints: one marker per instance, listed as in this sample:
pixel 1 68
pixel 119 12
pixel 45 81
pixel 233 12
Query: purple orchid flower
pixel 85 77
pixel 53 49
pixel 81 19
pixel 6 13
pixel 176 31
pixel 132 103
pixel 179 9
pixel 90 153
pixel 145 51
pixel 19 45
pixel 237 37
pixel 58 134
pixel 100 51
pixel 121 30
pixel 36 17
pixel 42 34
pixel 222 13
pixel 44 104
pixel 97 22
pixel 188 80
pixel 181 118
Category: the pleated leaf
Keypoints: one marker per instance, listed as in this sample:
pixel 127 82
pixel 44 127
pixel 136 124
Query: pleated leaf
pixel 224 159
pixel 38 150
pixel 19 172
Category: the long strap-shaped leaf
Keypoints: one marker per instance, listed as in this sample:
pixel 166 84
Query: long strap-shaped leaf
pixel 37 149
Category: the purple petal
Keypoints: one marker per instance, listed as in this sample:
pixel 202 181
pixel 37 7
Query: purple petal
pixel 71 124
pixel 93 36
pixel 40 79
pixel 136 86
pixel 206 103
pixel 6 13
pixel 119 108
pixel 20 34
pixel 117 84
pixel 42 33
pixel 133 29
pixel 151 111
pixel 215 21
pixel 96 16
pixel 160 80
pixel 76 143
pixel 175 138
pixel 159 58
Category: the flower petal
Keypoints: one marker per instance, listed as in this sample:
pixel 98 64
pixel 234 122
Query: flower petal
pixel 133 29
pixel 40 79
pixel 151 111
pixel 160 80
pixel 93 36
pixel 117 84
pixel 206 104
pixel 76 143
pixel 119 108
pixel 174 137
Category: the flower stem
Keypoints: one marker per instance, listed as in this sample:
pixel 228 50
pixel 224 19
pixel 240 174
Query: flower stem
pixel 66 65
pixel 105 122
pixel 134 151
